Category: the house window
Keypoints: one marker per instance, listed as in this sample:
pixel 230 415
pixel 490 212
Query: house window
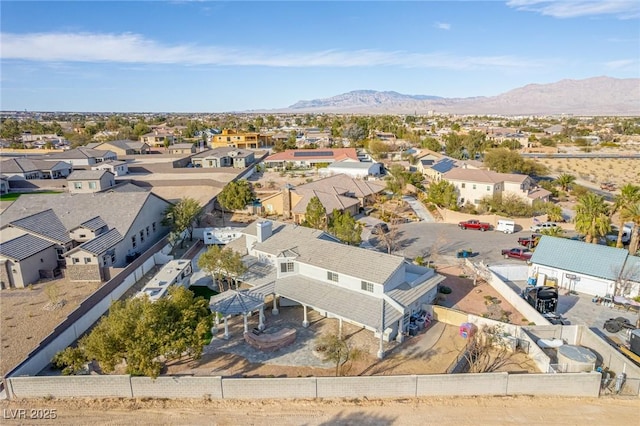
pixel 83 235
pixel 153 226
pixel 60 253
pixel 133 241
pixel 147 231
pixel 474 186
pixel 76 260
pixel 105 261
pixel 142 236
pixel 113 258
pixel 366 286
pixel 77 185
pixel 462 185
pixel 488 188
pixel 286 267
pixel 87 260
pixel 332 276
pixel 92 185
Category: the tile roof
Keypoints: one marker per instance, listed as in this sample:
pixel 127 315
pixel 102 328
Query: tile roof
pixel 21 165
pixel 125 144
pixel 336 153
pixel 102 242
pixel 45 224
pixel 405 294
pixel 23 247
pixel 117 209
pixel 342 184
pixel 483 176
pixel 234 302
pixel 78 153
pixel 87 174
pixel 368 265
pixel 369 310
pixel 94 224
pixel 580 257
pixel 328 200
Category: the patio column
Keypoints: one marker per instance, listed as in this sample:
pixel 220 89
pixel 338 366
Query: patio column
pixel 275 310
pixel 340 328
pixel 226 329
pixel 261 319
pixel 381 348
pixel 216 324
pixel 305 321
pixel 400 337
pixel 246 324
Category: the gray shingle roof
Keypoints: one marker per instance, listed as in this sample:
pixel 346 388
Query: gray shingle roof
pixel 368 310
pixel 576 256
pixel 23 247
pixel 46 224
pixel 102 242
pixel 353 261
pixel 78 153
pixel 405 294
pixel 87 174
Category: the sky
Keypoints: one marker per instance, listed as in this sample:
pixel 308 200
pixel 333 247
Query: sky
pixel 199 56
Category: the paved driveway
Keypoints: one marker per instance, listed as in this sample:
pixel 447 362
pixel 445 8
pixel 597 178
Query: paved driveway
pixel 444 239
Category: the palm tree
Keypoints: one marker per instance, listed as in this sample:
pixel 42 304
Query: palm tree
pixel 554 231
pixel 565 180
pixel 632 214
pixel 592 218
pixel 629 194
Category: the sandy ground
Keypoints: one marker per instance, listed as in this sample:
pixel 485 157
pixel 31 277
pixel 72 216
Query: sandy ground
pixel 596 170
pixel 522 410
pixel 24 321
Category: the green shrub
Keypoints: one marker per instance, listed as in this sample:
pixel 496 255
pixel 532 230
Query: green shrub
pixel 445 290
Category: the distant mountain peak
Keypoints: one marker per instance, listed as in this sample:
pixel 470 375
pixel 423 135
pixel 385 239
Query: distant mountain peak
pixel 600 95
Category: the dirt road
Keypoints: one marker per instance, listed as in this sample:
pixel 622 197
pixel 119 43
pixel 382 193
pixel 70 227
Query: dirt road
pixel 441 411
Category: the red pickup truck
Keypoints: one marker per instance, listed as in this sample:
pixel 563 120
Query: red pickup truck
pixel 474 224
pixel 517 253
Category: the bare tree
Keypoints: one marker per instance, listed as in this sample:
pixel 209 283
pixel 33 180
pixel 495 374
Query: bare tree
pixel 390 239
pixel 488 350
pixel 337 349
pixel 626 279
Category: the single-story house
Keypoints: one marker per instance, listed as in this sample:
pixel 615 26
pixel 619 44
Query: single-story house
pixel 182 148
pixel 27 169
pixel 122 147
pixel 118 168
pixel 358 170
pixel 23 258
pixel 82 156
pixel 586 268
pixel 224 157
pixel 311 157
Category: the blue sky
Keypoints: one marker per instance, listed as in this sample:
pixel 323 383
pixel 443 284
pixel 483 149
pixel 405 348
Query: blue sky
pixel 198 56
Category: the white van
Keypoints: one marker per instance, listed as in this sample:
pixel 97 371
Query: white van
pixel 506 226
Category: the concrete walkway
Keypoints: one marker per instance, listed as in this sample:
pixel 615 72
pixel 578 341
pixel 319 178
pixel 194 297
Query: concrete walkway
pixel 419 208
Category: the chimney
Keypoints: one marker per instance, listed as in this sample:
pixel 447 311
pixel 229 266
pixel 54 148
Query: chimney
pixel 263 230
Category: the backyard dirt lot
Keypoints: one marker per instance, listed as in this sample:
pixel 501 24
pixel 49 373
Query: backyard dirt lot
pixel 596 170
pixel 25 319
pixel 522 410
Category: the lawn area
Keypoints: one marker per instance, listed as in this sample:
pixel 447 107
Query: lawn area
pixel 12 196
pixel 203 291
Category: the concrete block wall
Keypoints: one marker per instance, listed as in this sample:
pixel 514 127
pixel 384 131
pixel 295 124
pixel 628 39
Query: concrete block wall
pixel 538 356
pixel 462 384
pixel 512 272
pixel 70 386
pixel 177 387
pixel 285 388
pixel 370 387
pixel 567 384
pixel 611 357
pixel 449 316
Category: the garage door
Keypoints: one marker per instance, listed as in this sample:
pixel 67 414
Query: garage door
pixel 592 287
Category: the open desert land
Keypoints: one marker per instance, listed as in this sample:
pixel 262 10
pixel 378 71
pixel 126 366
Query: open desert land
pixel 595 171
pixel 455 411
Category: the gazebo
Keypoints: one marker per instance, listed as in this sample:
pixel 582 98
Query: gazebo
pixel 234 302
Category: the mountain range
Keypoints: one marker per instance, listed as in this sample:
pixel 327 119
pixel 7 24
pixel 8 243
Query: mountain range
pixel 592 96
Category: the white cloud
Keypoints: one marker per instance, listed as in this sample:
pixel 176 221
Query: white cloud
pixel 442 26
pixel 621 9
pixel 623 64
pixel 135 49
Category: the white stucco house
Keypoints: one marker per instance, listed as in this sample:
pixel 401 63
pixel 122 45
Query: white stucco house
pixel 367 288
pixel 358 170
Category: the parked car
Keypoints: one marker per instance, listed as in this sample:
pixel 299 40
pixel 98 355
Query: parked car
pixel 474 224
pixel 529 242
pixel 517 253
pixel 542 226
pixel 380 228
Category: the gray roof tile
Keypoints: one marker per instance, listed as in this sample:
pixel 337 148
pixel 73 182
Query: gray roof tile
pixel 102 242
pixel 87 174
pixel 23 247
pixel 45 224
pixel 94 224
